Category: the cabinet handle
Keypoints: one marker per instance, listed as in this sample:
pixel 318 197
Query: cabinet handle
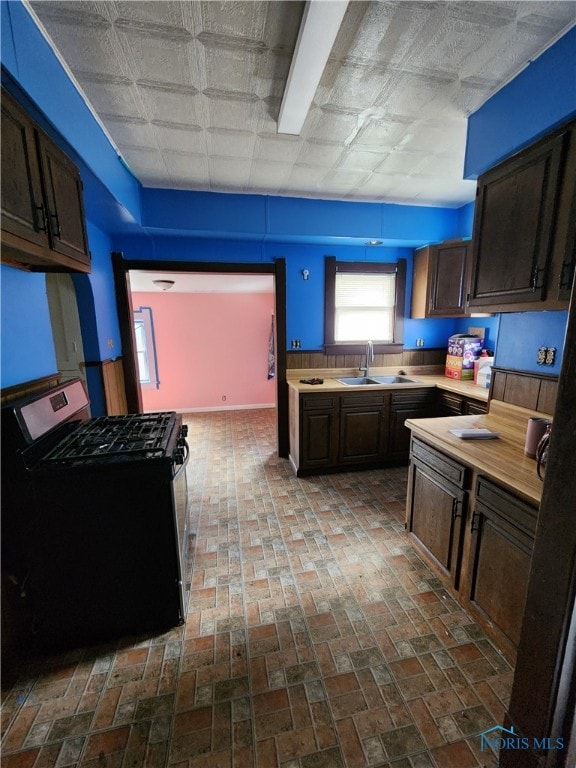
pixel 55 226
pixel 475 524
pixel 40 218
pixel 565 275
pixel 536 273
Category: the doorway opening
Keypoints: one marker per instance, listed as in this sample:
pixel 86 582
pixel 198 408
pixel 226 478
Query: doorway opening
pixel 203 340
pixel 123 274
pixel 66 330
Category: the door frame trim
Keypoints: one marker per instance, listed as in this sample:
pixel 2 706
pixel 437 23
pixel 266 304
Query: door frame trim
pixel 121 267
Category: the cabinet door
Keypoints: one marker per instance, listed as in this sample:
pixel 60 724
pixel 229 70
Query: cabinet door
pixel 448 280
pixel 501 557
pixel 568 266
pixel 407 405
pixel 319 431
pixel 63 188
pixel 362 434
pixel 435 510
pixel 513 226
pixel 23 213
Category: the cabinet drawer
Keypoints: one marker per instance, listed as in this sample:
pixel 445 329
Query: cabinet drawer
pixel 448 468
pixel 450 403
pixel 472 407
pixel 318 401
pixel 361 399
pixel 413 397
pixel 509 507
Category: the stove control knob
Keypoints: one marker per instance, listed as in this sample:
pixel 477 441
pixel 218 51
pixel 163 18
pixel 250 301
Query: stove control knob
pixel 179 456
pixel 183 430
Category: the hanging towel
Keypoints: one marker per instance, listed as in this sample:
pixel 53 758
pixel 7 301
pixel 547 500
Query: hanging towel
pixel 271 354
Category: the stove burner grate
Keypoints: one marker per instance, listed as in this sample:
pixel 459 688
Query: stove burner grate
pixel 137 436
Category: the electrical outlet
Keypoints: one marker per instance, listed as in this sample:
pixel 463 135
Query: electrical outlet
pixel 419 342
pixel 296 344
pixel 546 356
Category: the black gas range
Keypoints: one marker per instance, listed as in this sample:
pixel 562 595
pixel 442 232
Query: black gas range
pixel 96 527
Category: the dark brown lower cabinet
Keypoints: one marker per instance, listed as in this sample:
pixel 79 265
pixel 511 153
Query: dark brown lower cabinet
pixel 363 429
pixel 474 407
pixel 479 543
pixel 502 535
pixel 340 431
pixel 357 430
pixel 435 508
pixel 453 404
pixel 409 404
pixel 319 432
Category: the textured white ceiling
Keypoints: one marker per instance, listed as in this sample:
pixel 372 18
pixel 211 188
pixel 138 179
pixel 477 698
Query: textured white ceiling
pixel 190 91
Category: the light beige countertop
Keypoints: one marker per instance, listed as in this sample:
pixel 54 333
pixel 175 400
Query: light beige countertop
pixel 331 383
pixel 502 459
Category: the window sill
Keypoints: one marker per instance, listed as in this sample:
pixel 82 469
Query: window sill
pixel 360 349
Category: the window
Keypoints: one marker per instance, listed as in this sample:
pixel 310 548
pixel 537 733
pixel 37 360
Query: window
pixel 146 347
pixel 364 301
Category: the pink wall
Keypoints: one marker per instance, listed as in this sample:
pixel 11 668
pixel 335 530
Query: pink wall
pixel 210 347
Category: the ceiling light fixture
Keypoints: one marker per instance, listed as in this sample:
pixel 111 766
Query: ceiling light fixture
pixel 320 24
pixel 164 284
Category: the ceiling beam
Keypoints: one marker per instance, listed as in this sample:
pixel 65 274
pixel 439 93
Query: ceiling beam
pixel 320 24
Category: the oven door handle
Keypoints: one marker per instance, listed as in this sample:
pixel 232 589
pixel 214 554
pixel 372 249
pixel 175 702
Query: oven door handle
pixel 184 462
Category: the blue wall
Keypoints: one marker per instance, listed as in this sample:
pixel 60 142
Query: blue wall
pixel 31 62
pixel 27 345
pixel 177 225
pixel 261 218
pixel 304 298
pixel 523 333
pixel 540 98
pixel 97 300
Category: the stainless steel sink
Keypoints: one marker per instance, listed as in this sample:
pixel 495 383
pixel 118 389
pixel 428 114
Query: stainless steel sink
pixel 355 381
pixel 392 380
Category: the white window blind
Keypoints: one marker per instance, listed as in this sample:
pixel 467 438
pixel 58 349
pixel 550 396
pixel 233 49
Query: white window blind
pixel 146 347
pixel 364 307
pixel 141 351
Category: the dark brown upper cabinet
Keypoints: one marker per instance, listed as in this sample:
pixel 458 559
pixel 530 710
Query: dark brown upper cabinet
pixel 43 223
pixel 567 261
pixel 440 279
pixel 520 258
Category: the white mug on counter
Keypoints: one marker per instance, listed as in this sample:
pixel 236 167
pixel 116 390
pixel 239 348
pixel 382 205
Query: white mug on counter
pixel 534 433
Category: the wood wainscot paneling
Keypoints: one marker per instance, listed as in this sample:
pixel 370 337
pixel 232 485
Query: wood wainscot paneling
pixel 528 390
pixel 312 359
pixel 113 387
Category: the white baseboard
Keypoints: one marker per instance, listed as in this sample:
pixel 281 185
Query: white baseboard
pixel 207 409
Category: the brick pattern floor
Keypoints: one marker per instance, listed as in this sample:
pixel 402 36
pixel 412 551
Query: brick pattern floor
pixel 316 638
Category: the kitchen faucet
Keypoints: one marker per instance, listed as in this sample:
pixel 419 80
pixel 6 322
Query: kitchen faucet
pixel 369 358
